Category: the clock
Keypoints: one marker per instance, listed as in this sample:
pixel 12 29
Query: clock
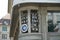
pixel 5 22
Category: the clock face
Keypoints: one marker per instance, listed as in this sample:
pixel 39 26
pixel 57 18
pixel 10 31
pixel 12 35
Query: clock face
pixel 5 22
pixel 24 28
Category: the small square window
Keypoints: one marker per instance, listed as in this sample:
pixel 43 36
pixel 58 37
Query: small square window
pixel 4 28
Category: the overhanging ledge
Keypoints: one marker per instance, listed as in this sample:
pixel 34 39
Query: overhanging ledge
pixel 15 2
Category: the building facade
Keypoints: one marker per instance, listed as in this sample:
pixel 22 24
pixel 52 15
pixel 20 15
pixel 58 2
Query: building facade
pixel 35 20
pixel 5 27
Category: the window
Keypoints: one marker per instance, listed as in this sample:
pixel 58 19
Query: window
pixel 58 17
pixel 29 21
pixel 4 36
pixel 54 22
pixel 50 16
pixel 24 21
pixel 4 28
pixel 34 21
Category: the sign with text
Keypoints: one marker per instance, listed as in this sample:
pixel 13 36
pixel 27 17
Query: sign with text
pixel 24 28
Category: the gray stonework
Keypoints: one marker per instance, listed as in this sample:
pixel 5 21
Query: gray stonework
pixel 43 18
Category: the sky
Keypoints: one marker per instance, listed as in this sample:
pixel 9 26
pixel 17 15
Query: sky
pixel 3 8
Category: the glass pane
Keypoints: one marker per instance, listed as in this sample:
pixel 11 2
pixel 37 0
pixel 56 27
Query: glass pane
pixel 24 21
pixel 58 17
pixel 54 22
pixel 4 28
pixel 34 21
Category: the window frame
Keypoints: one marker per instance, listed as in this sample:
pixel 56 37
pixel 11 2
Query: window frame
pixel 4 28
pixel 31 21
pixel 47 20
pixel 28 8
